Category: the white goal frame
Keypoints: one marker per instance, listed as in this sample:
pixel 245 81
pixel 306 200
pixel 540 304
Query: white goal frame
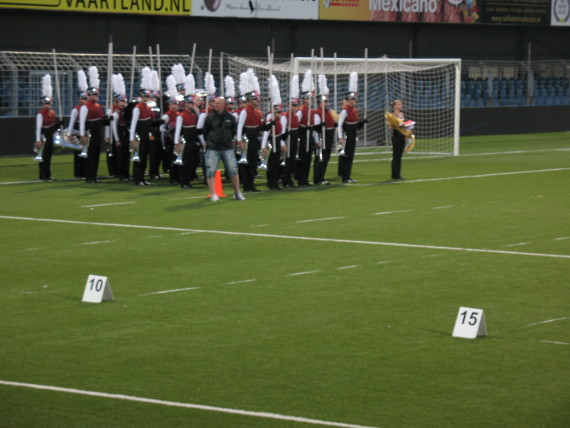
pixel 364 66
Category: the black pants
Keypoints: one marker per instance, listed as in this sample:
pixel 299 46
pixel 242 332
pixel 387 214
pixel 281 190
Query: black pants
pixel 45 165
pixel 122 162
pixel 139 168
pixel 320 167
pixel 154 154
pixel 247 172
pixel 305 155
pixel 289 171
pixel 345 162
pixel 94 150
pixel 398 145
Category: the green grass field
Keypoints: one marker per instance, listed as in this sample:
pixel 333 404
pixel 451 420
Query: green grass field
pixel 333 305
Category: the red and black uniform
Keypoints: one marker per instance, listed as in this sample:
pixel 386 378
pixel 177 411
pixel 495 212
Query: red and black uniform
pixel 251 129
pixel 327 140
pixel 78 161
pixel 48 127
pixel 142 128
pixel 290 162
pixel 155 144
pixel 274 159
pixel 93 123
pixel 168 157
pixel 191 155
pixel 349 127
pixel 306 145
pixel 122 152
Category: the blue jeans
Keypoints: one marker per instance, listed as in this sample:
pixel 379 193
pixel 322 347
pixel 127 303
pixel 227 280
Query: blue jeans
pixel 213 157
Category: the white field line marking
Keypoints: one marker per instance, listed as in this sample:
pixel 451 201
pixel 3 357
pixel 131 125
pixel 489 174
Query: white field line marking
pixel 416 156
pixel 264 415
pixel 547 321
pixel 107 205
pixel 188 233
pixel 386 261
pixel 188 197
pixel 561 238
pixel 300 238
pixel 153 236
pixel 518 244
pixel 461 177
pixel 442 207
pixel 392 212
pixel 240 282
pixel 320 219
pixel 170 291
pixel 302 273
pixel 95 242
pixel 347 267
pixel 552 341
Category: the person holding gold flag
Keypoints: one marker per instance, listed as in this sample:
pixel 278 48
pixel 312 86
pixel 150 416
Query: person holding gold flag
pixel 403 140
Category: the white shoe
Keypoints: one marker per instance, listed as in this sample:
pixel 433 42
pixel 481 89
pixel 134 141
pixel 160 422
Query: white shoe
pixel 214 198
pixel 239 197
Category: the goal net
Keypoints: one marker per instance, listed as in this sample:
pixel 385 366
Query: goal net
pixel 428 88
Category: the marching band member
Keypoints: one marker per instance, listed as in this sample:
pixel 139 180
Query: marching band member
pixel 180 77
pixel 141 122
pixel 167 130
pixel 249 125
pixel 119 128
pixel 275 129
pixel 73 126
pixel 402 138
pixel 91 119
pixel 155 142
pixel 324 133
pixel 46 124
pixel 186 126
pixel 306 122
pixel 293 134
pixel 348 124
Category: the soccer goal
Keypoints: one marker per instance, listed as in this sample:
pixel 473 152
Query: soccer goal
pixel 429 89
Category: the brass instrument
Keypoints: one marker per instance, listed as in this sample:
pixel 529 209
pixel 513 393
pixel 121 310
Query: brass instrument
pixel 179 153
pixel 263 164
pixel 283 156
pixel 83 153
pixel 62 140
pixel 39 151
pixel 135 150
pixel 243 159
pixel 297 157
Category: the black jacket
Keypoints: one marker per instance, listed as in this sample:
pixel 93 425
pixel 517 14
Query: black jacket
pixel 220 130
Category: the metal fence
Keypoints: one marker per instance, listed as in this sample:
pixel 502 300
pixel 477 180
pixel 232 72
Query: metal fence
pixel 484 83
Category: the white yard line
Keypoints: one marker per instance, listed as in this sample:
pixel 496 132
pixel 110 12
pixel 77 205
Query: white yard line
pixel 347 267
pixel 293 237
pixel 562 238
pixel 243 281
pixel 518 244
pixel 107 205
pixel 463 177
pixel 170 291
pixel 320 219
pixel 392 212
pixel 302 273
pixel 264 415
pixel 95 242
pixel 555 343
pixel 547 321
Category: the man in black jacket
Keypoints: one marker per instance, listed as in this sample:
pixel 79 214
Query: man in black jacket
pixel 220 131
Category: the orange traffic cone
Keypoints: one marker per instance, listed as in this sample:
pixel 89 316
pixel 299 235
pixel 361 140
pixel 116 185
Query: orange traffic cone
pixel 218 188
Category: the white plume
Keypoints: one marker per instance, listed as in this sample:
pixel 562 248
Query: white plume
pixel 353 82
pixel 209 84
pixel 178 73
pixel 294 87
pixel 308 85
pixel 256 86
pixel 118 84
pixel 46 86
pixel 145 78
pixel 81 80
pixel 154 81
pixel 230 86
pixel 94 77
pixel 323 88
pixel 243 83
pixel 171 86
pixel 190 84
pixel 251 80
pixel 275 93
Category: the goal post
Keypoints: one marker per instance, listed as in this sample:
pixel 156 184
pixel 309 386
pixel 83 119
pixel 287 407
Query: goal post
pixel 430 90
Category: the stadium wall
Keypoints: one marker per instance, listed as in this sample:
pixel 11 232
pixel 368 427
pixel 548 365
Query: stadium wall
pixel 89 32
pixel 19 132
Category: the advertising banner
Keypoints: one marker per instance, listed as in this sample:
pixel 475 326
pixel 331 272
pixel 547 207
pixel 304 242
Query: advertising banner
pixel 148 7
pixel 437 11
pixel 516 12
pixel 268 9
pixel 560 12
